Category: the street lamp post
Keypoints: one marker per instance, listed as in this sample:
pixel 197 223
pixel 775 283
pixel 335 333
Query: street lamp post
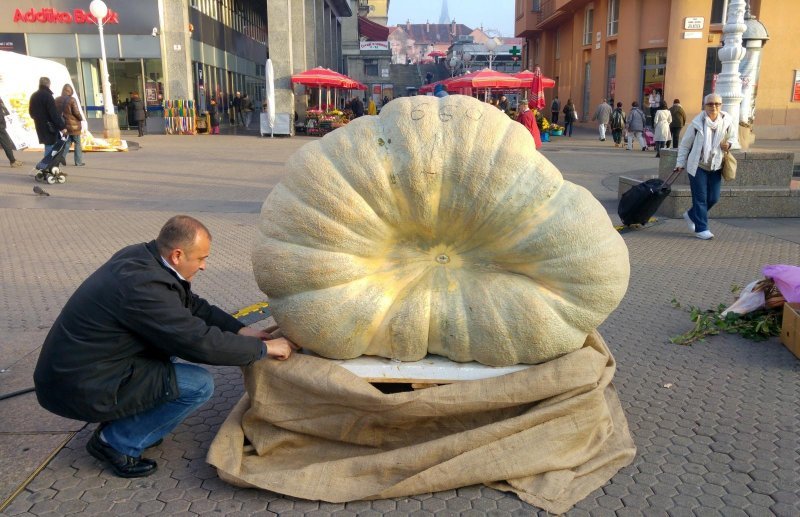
pixel 491 45
pixel 453 64
pixel 729 82
pixel 99 10
pixel 754 37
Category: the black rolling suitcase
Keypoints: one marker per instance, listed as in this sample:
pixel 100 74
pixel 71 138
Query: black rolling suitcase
pixel 638 204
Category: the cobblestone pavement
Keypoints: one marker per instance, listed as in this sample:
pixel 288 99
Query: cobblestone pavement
pixel 715 424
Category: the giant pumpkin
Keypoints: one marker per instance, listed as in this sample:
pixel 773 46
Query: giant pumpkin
pixel 436 227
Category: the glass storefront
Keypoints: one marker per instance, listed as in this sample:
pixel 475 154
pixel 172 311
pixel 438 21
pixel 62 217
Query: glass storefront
pixel 654 68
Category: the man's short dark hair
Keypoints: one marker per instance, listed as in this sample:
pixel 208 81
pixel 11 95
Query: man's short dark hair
pixel 44 81
pixel 179 232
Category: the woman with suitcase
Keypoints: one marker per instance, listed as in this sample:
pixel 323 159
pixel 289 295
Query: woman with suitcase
pixel 708 137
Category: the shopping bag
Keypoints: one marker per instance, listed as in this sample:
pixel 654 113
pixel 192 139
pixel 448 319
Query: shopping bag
pixel 728 166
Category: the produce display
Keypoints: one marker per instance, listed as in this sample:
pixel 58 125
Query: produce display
pixel 436 227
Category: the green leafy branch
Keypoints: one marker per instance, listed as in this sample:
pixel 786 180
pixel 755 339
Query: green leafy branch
pixel 758 325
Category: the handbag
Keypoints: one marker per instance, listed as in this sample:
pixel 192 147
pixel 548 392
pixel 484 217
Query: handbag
pixel 728 166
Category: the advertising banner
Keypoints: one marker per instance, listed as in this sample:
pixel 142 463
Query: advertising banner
pixel 16 89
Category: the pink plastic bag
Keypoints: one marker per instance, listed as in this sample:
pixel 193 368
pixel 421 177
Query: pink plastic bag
pixel 787 278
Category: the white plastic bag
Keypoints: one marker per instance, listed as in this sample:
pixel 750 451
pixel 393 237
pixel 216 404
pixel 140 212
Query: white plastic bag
pixel 749 300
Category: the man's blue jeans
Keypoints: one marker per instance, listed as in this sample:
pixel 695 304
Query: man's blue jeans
pixel 706 187
pixel 132 434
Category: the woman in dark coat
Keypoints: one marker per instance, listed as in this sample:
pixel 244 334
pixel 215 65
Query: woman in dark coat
pixel 213 114
pixel 139 112
pixel 570 116
pixel 68 106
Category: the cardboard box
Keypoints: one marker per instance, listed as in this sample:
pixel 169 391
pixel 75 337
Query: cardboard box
pixel 790 330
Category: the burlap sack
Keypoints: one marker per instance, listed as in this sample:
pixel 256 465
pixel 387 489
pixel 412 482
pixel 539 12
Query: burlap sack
pixel 308 428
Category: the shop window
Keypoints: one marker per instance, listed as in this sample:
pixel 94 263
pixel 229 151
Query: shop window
pixel 611 79
pixel 371 67
pixel 558 44
pixel 713 68
pixel 536 5
pixel 718 10
pixel 654 67
pixel 588 26
pixel 613 17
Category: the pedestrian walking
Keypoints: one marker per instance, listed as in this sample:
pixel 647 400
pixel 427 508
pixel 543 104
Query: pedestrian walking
pixel 139 112
pixel 708 137
pixel 5 139
pixel 357 106
pixel 108 357
pixel 661 124
pixel 678 121
pixel 570 116
pixel 213 115
pixel 236 109
pixel 602 115
pixel 46 117
pixel 503 105
pixel 68 107
pixel 555 109
pixel 617 123
pixel 635 123
pixel 653 102
pixel 247 110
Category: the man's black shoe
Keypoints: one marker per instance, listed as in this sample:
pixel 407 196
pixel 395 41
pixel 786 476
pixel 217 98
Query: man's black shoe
pixel 123 465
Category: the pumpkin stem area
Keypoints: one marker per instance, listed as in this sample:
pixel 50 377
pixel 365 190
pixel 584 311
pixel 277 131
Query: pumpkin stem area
pixel 442 258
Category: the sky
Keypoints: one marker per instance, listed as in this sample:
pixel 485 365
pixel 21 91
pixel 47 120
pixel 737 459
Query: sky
pixel 493 14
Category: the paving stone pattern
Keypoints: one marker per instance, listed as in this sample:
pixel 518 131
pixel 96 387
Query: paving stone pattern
pixel 716 424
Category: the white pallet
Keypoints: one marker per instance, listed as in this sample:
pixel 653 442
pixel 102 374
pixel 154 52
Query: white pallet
pixel 433 369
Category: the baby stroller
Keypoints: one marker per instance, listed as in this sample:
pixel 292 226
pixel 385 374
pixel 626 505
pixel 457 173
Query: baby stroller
pixel 649 138
pixel 49 169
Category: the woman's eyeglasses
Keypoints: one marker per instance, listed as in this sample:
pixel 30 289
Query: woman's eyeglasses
pixel 713 104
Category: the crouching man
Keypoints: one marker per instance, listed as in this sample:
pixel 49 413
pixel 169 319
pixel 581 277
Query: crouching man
pixel 109 356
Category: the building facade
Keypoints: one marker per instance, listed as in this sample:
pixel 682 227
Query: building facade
pixel 623 49
pixel 179 49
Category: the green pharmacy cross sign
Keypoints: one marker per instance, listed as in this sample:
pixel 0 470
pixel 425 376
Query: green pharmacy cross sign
pixel 514 51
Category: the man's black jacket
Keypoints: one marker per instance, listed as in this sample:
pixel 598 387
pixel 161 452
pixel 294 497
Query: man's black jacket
pixel 108 353
pixel 42 109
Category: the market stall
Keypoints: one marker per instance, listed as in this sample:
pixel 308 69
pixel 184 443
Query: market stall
pixel 325 117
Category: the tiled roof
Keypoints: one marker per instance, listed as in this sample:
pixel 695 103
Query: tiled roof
pixel 423 33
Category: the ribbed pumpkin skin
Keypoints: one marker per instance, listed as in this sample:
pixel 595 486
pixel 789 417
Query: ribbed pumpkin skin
pixel 436 227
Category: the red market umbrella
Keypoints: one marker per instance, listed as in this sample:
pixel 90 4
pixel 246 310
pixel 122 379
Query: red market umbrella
pixel 437 53
pixel 319 77
pixel 527 79
pixel 537 89
pixel 485 78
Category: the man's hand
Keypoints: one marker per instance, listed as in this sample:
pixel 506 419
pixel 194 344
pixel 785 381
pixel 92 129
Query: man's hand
pixel 280 348
pixel 262 334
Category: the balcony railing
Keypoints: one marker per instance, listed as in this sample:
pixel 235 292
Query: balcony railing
pixel 547 10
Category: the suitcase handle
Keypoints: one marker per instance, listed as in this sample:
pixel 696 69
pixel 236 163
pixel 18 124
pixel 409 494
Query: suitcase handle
pixel 672 177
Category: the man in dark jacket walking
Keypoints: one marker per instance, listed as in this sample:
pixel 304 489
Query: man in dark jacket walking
pixel 678 121
pixel 109 356
pixel 5 140
pixel 49 122
pixel 358 107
